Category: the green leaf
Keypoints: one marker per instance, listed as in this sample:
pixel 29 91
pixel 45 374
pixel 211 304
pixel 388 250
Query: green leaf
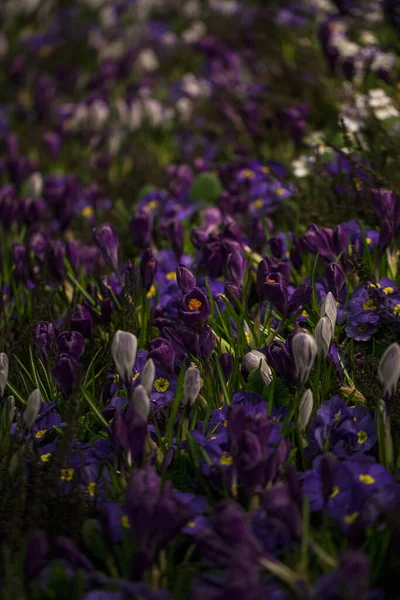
pixel 93 538
pixel 206 188
pixel 255 382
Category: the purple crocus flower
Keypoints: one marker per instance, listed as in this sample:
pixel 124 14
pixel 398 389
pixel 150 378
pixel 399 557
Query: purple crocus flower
pixel 66 373
pixel 43 336
pixel 71 343
pixel 106 239
pixel 194 307
pixel 81 321
pixel 155 515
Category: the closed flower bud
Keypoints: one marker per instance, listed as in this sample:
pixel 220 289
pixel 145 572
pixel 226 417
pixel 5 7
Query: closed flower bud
pixel 3 372
pixel 176 234
pixel 141 402
pixel 11 407
pixel 329 309
pixel 141 226
pixel 66 373
pixel 43 336
pixel 305 409
pixel 191 386
pixel 71 343
pixel 185 278
pixel 334 278
pixel 226 363
pixel 123 349
pixel 32 409
pixel 256 360
pixel 389 370
pixel 148 269
pixel 81 321
pixel 207 343
pixel 106 239
pixel 323 335
pixel 161 351
pixel 263 271
pixel 235 268
pixel 148 374
pixel 304 349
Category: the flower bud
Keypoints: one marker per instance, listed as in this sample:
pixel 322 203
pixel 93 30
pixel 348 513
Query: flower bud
pixel 141 402
pixel 185 278
pixel 148 268
pixel 81 321
pixel 226 364
pixel 106 239
pixel 256 360
pixel 323 335
pixel 71 343
pixel 329 309
pixel 389 370
pixel 43 336
pixel 3 373
pixel 191 386
pixel 305 409
pixel 32 409
pixel 235 268
pixel 123 349
pixel 148 374
pixel 11 407
pixel 304 349
pixel 66 372
pixel 334 278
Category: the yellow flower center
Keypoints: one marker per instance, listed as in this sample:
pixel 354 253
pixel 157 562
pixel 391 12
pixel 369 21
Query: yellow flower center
pixel 248 174
pixel 152 292
pixel 396 310
pixel 45 51
pixel 368 240
pixel 152 204
pixel 194 304
pixel 45 457
pixel 369 305
pixel 87 212
pixel 305 314
pixel 367 479
pixel 257 203
pixel 335 492
pixel 39 434
pixel 363 327
pixel 226 459
pixel 362 437
pixel 67 474
pixel 388 290
pixel 265 170
pixel 125 522
pixel 349 519
pixel 171 276
pixel 135 377
pixel 191 524
pixel 358 184
pixel 91 488
pixel 280 191
pixel 271 280
pixel 161 384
